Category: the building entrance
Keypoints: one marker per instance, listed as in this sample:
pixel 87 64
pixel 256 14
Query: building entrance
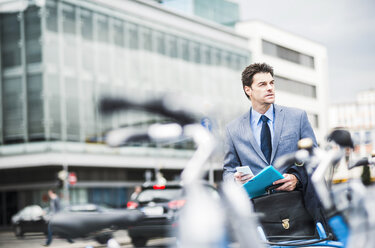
pixel 8 207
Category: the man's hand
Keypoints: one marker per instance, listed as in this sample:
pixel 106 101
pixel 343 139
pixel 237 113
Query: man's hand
pixel 242 178
pixel 289 182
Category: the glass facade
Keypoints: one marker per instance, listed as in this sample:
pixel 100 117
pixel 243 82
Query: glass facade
pixel 56 63
pixel 278 51
pixel 220 11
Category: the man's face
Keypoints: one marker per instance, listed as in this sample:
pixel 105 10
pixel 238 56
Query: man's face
pixel 262 90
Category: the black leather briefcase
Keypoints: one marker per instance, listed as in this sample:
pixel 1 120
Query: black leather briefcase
pixel 283 216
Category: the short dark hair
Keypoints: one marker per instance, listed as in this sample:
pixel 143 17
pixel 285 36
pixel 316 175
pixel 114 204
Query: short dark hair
pixel 251 70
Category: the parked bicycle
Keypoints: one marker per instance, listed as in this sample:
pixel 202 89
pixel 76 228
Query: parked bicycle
pixel 348 206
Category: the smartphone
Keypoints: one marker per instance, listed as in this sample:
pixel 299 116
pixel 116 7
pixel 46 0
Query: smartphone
pixel 244 170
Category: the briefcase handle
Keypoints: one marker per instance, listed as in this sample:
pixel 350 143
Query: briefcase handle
pixel 270 188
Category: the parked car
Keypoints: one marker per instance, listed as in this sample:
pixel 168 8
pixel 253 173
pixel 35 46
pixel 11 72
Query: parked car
pixel 34 219
pixel 30 219
pixel 161 205
pixel 87 207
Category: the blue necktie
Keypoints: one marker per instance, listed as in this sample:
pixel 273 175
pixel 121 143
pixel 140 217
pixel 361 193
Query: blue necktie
pixel 265 139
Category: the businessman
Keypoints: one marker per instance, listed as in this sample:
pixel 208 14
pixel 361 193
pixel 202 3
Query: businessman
pixel 266 132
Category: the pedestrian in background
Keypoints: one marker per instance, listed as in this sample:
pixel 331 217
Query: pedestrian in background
pixel 137 190
pixel 54 207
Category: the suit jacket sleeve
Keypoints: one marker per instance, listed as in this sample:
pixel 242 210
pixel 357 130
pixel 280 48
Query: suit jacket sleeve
pixel 231 159
pixel 306 131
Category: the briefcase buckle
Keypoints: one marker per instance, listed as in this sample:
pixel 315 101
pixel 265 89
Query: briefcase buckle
pixel 285 223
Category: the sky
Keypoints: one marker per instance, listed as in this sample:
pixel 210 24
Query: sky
pixel 345 27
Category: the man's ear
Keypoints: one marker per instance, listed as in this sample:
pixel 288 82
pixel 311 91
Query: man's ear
pixel 247 90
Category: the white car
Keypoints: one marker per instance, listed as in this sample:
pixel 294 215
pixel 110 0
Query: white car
pixel 31 219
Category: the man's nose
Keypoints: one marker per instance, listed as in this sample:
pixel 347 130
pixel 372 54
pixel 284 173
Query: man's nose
pixel 269 86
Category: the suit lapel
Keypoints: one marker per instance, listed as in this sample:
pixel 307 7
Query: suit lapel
pixel 279 121
pixel 246 130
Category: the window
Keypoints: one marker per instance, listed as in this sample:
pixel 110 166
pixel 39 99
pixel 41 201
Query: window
pixel 69 19
pixel 69 41
pixel 172 47
pixel 86 24
pixel 275 50
pixel 160 43
pixel 32 35
pixel 244 62
pixel 87 33
pixel 102 29
pixel 185 50
pixel 295 87
pixel 10 40
pixel 314 120
pixel 88 101
pixel 13 122
pixel 287 54
pixel 72 108
pixel 356 138
pixel 218 57
pixel 207 55
pixel 54 102
pixel 237 63
pixel 132 33
pixel 51 18
pixel 269 48
pixel 196 53
pixel 35 106
pixel 367 137
pixel 307 60
pixel 146 39
pixel 227 60
pixel 118 33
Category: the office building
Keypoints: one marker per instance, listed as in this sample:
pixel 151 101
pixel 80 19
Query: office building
pixel 58 60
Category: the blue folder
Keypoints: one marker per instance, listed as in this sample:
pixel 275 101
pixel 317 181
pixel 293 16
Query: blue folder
pixel 258 184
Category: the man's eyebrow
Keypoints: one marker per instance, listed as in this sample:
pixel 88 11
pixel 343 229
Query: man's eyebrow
pixel 262 82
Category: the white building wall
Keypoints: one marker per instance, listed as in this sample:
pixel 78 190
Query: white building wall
pixel 359 118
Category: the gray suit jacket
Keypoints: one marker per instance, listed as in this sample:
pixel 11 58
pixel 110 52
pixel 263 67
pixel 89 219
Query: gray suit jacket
pixel 241 148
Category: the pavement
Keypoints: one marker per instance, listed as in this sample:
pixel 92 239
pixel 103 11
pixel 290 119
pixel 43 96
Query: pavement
pixel 8 240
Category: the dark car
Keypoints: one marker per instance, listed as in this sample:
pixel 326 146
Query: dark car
pixel 87 207
pixel 160 204
pixel 34 219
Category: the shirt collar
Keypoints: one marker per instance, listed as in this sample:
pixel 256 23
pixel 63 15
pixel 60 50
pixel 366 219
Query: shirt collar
pixel 255 116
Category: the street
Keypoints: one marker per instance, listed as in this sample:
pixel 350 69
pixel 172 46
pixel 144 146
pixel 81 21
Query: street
pixel 8 240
